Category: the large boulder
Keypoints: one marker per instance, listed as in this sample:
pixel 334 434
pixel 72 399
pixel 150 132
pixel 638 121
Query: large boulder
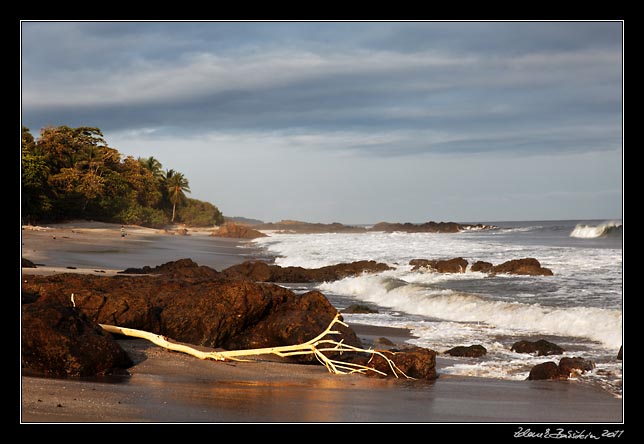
pixel 540 347
pixel 526 266
pixel 455 265
pixel 202 311
pixel 58 340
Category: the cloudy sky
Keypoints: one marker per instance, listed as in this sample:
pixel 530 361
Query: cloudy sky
pixel 355 122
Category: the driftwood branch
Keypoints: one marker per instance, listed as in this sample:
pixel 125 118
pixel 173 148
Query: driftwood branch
pixel 315 346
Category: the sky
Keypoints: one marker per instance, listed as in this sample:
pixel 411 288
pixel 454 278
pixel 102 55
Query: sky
pixel 353 122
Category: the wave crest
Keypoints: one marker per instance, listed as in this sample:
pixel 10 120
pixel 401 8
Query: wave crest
pixel 593 231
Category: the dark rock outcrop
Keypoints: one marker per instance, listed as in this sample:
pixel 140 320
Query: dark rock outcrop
pixel 472 351
pixel 455 265
pixel 620 352
pixel 59 341
pixel 258 271
pixel 540 347
pixel 546 370
pixel 526 266
pixel 184 302
pixel 209 312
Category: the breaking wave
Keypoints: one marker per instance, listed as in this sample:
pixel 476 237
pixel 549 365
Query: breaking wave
pixel 598 324
pixel 593 231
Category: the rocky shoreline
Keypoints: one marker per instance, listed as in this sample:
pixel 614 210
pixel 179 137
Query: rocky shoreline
pixel 167 387
pixel 237 308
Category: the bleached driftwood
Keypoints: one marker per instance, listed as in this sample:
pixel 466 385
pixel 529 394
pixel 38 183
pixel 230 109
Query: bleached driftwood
pixel 315 346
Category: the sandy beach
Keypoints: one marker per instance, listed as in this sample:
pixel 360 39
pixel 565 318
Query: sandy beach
pixel 168 387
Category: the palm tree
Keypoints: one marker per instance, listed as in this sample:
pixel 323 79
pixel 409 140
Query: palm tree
pixel 154 166
pixel 176 185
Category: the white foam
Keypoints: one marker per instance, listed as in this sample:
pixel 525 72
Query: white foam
pixel 598 324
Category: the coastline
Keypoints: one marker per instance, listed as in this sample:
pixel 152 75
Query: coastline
pixel 169 387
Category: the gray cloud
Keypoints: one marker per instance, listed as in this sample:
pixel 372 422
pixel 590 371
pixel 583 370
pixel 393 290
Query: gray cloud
pixel 382 90
pixel 284 76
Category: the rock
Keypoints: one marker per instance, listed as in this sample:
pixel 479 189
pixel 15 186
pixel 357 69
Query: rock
pixel 526 266
pixel 237 231
pixel 359 308
pixel 472 351
pixel 482 266
pixel 540 347
pixel 197 309
pixel 546 370
pixel 26 263
pixel 456 265
pixel 567 367
pixel 573 366
pixel 416 362
pixel 59 341
pixel 258 271
pixel 620 352
pixel 292 319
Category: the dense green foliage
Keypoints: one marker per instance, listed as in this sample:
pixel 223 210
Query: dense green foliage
pixel 71 173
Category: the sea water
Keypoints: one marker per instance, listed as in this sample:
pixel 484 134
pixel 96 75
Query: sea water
pixel 580 307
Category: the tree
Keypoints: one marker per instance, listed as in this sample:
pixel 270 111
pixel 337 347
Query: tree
pixel 154 166
pixel 176 185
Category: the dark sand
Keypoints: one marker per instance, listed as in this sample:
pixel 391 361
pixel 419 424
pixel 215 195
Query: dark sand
pixel 169 387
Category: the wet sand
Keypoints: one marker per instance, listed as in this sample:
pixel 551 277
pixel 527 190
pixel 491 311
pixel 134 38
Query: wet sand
pixel 168 387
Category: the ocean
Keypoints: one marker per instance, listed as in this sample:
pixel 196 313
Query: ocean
pixel 580 307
